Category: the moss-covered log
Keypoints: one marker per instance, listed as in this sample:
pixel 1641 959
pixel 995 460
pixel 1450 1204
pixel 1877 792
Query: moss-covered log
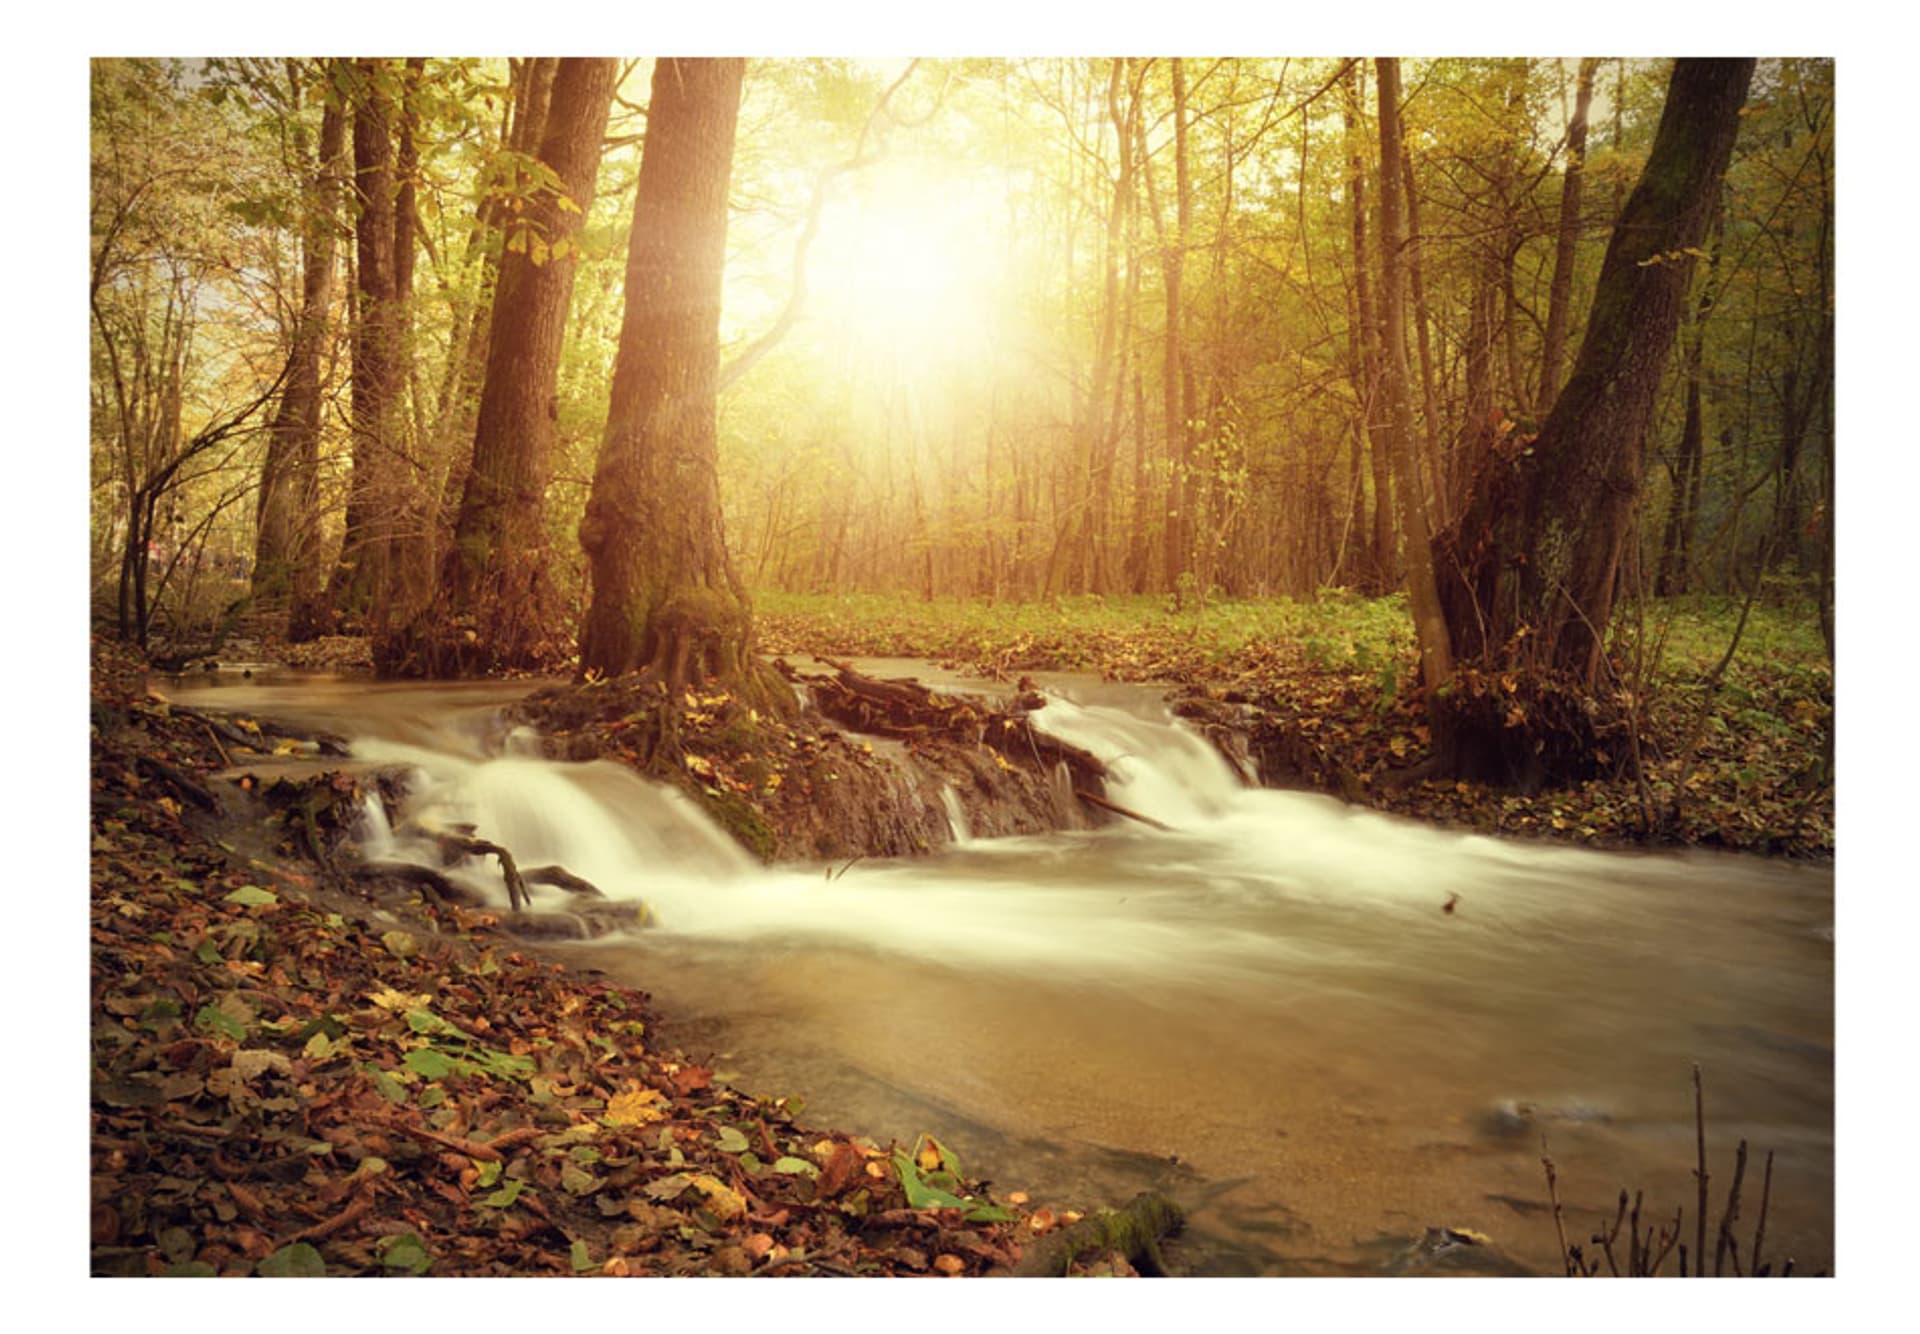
pixel 1134 1231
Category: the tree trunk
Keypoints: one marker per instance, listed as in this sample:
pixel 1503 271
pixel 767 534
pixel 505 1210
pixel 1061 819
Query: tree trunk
pixel 1433 468
pixel 1436 656
pixel 1173 260
pixel 360 578
pixel 665 595
pixel 1537 552
pixel 495 607
pixel 412 543
pixel 1572 190
pixel 1683 501
pixel 285 565
pixel 1365 349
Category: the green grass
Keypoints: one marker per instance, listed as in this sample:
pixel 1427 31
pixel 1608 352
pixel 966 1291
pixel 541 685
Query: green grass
pixel 1093 632
pixel 1340 632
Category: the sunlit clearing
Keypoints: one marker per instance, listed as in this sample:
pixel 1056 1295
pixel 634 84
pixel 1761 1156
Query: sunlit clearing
pixel 909 265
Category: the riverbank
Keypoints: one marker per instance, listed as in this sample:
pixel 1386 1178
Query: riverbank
pixel 291 1078
pixel 1327 694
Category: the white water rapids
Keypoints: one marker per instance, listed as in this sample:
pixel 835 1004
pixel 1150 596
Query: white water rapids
pixel 1265 1010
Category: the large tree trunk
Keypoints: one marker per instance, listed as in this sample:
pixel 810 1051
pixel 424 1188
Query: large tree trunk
pixel 665 595
pixel 285 565
pixel 1534 558
pixel 495 607
pixel 360 578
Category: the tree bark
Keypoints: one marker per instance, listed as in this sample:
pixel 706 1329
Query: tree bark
pixel 1533 561
pixel 1177 535
pixel 1567 243
pixel 1683 500
pixel 285 565
pixel 360 578
pixel 665 595
pixel 1365 350
pixel 495 607
pixel 1436 656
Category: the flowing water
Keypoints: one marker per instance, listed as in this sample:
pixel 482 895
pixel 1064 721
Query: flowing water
pixel 1265 1011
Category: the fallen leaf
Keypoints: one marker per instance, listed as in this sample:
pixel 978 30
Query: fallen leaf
pixel 636 1107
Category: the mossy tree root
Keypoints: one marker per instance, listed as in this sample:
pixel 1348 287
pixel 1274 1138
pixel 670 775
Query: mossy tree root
pixel 1134 1231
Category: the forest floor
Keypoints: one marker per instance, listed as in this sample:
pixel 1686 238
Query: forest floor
pixel 1744 766
pixel 292 1078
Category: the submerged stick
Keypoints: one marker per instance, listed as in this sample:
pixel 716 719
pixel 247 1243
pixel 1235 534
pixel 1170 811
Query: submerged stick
pixel 1118 809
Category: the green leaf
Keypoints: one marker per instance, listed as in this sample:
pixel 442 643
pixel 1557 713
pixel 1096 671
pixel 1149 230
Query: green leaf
pixel 428 1063
pixel 506 1195
pixel 425 1021
pixel 796 1167
pixel 213 1017
pixel 489 1173
pixel 919 1194
pixel 582 1258
pixel 406 1252
pixel 732 1141
pixel 299 1260
pixel 252 896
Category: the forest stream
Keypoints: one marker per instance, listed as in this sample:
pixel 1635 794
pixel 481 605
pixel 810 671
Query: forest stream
pixel 1322 1030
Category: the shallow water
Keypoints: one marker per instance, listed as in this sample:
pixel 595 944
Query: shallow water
pixel 1265 1010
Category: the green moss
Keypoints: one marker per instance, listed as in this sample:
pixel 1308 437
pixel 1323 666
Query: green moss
pixel 747 826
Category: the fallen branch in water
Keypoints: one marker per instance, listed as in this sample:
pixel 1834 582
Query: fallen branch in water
pixel 559 877
pixel 467 845
pixel 1118 809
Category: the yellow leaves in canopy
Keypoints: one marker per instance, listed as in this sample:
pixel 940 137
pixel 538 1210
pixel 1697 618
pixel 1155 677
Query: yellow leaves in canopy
pixel 635 1107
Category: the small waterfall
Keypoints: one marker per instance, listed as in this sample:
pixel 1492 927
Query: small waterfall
pixel 1157 768
pixel 956 814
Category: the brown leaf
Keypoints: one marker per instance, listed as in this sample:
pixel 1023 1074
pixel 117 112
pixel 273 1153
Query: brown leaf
pixel 841 1170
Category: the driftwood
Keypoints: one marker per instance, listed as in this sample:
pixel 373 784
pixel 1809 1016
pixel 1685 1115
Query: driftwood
pixel 1134 1231
pixel 559 877
pixel 180 781
pixel 453 846
pixel 421 877
pixel 1118 809
pixel 258 741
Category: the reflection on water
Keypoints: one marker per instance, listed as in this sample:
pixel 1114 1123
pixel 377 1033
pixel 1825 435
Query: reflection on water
pixel 1264 1011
